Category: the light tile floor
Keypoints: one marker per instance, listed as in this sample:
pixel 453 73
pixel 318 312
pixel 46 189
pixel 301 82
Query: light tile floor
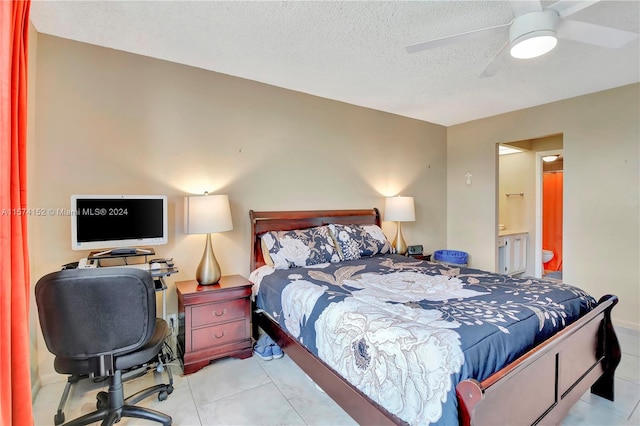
pixel 277 392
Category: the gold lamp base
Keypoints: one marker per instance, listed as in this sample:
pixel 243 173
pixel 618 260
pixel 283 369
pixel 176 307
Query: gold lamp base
pixel 208 271
pixel 398 242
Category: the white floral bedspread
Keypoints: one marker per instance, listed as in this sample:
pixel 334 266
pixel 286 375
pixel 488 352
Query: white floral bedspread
pixel 405 332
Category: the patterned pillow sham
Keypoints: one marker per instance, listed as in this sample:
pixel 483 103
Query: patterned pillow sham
pixel 301 247
pixel 356 241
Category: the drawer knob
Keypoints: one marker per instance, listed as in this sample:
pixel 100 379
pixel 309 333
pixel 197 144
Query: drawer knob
pixel 215 314
pixel 220 336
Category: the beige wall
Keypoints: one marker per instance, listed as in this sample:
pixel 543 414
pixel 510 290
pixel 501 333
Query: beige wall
pixel 109 122
pixel 601 146
pixel 516 175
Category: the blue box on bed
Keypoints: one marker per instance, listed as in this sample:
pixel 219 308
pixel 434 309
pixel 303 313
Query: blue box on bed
pixel 451 256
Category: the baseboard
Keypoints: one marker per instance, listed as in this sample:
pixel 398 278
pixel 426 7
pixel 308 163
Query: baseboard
pixel 49 378
pixel 626 324
pixel 35 388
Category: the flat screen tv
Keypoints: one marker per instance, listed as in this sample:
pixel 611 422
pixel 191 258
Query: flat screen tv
pixel 118 221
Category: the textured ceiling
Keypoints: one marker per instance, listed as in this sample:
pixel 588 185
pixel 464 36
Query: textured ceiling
pixel 355 51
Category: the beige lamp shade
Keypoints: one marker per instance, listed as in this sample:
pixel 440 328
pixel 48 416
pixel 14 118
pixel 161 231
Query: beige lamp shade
pixel 399 209
pixel 204 214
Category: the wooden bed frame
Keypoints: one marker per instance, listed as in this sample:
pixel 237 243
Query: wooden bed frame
pixel 538 388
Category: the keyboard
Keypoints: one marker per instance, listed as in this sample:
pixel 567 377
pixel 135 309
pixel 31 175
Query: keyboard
pixel 155 269
pixel 143 266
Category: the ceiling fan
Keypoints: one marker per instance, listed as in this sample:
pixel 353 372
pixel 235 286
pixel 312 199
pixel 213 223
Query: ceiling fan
pixel 534 31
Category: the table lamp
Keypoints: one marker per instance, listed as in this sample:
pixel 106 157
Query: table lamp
pixel 399 209
pixel 204 214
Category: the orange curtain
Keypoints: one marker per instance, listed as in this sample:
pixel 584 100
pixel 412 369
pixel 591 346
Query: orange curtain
pixel 15 380
pixel 552 218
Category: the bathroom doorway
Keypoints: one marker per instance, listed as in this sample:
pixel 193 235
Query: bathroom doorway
pixel 519 200
pixel 551 164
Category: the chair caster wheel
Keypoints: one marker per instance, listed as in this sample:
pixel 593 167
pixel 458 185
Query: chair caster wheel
pixel 170 389
pixel 58 419
pixel 102 402
pixel 162 395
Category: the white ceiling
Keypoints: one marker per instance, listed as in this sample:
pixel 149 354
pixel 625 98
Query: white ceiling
pixel 355 51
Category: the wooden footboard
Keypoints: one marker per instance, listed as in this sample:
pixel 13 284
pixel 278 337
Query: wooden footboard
pixel 542 385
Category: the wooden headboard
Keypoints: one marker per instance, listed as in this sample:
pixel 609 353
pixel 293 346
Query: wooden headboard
pixel 262 222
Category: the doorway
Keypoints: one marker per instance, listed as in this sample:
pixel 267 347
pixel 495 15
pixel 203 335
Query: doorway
pixel 551 187
pixel 520 200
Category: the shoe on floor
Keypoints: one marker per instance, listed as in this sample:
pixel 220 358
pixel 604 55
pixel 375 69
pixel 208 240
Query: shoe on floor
pixel 267 340
pixel 264 340
pixel 276 351
pixel 262 351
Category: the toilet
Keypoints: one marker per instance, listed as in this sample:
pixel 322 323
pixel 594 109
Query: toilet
pixel 547 255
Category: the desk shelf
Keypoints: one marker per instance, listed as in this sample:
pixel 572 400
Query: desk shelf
pixel 101 255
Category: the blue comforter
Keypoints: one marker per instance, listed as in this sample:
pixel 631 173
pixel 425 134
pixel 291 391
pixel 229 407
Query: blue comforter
pixel 405 332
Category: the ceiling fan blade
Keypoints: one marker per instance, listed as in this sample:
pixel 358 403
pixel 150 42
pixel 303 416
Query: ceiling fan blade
pixel 598 35
pixel 431 44
pixel 493 66
pixel 521 7
pixel 568 7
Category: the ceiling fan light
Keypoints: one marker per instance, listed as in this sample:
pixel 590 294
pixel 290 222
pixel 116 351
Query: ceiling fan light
pixel 533 44
pixel 533 34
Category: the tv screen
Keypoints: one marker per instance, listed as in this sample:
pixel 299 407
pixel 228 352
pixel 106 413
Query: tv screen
pixel 115 221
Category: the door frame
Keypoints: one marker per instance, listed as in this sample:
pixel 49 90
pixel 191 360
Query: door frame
pixel 537 254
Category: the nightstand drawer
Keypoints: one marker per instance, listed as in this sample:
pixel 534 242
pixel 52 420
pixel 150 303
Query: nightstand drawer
pixel 217 335
pixel 215 313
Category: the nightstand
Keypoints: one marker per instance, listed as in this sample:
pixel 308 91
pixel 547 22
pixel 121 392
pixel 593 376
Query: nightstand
pixel 215 321
pixel 421 256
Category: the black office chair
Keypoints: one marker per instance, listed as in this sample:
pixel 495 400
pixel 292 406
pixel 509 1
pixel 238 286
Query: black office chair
pixel 101 323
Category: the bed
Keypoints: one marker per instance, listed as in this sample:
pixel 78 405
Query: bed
pixel 395 340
